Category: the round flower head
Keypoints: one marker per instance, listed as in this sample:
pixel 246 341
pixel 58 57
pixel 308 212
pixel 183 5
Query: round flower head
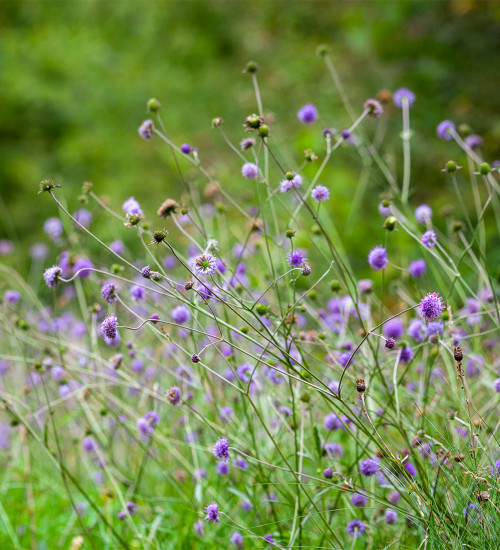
pixel 53 227
pixel 359 500
pixel 390 516
pixel 445 130
pixel 205 265
pixel 221 449
pixel 393 328
pixel 132 207
pixel 51 275
pixel 328 473
pixel 356 528
pixel 308 114
pixel 429 238
pixel 394 497
pixel 186 148
pixel 12 296
pixel 294 183
pixel 180 314
pixel 320 193
pixel 423 213
pixel 369 467
pixel 496 385
pixel 417 268
pixel 108 326
pixel 495 469
pixel 296 258
pixel 173 395
pixel 146 272
pixel 137 293
pixel 145 130
pixel 250 170
pixel 332 422
pixel 474 140
pixel 237 540
pixel 417 330
pixel 108 292
pixel 247 143
pixel 377 259
pixel 384 210
pixel 390 343
pixel 268 538
pixel 212 511
pixel 373 107
pixel 83 266
pixel 432 306
pixel 222 468
pixel 410 468
pixel 403 95
pixel 406 354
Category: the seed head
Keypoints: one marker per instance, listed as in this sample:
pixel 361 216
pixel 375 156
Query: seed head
pixel 167 208
pixel 159 236
pixel 360 385
pixel 457 354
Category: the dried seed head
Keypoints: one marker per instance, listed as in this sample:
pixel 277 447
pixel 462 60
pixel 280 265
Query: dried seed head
pixel 188 285
pixel 360 385
pixel 457 354
pixel 459 458
pixel 159 236
pixel 167 208
pixel 483 496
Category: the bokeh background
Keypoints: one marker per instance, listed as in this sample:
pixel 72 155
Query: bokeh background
pixel 75 78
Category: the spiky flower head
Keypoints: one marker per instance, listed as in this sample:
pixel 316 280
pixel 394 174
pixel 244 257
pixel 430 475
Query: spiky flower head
pixel 296 258
pixel 377 258
pixel 403 95
pixel 51 275
pixel 173 395
pixel 205 265
pixel 108 326
pixel 167 208
pixel 308 114
pixel 429 238
pixel 145 130
pixel 221 449
pixel 373 107
pixel 108 292
pixel 212 511
pixel 431 307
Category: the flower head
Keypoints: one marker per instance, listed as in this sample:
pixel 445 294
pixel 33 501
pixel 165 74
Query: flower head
pixel 180 314
pixel 423 213
pixel 145 130
pixel 108 292
pixel 369 467
pixel 108 326
pixel 296 258
pixel 417 268
pixel 132 207
pixel 377 259
pixel 173 395
pixel 390 516
pixel 403 95
pixel 320 193
pixel 431 306
pixel 359 500
pixel 250 170
pixel 373 107
pixel 429 238
pixel 212 511
pixel 221 449
pixel 205 264
pixel 445 130
pixel 51 275
pixel 356 528
pixel 307 114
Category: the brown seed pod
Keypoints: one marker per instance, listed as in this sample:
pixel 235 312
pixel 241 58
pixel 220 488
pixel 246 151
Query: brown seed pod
pixel 457 354
pixel 360 385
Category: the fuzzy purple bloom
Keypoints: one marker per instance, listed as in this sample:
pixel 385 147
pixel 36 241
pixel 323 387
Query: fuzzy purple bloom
pixel 390 516
pixel 84 266
pixel 12 296
pixel 205 265
pixel 250 170
pixel 417 268
pixel 445 130
pixel 474 141
pixel 173 395
pixel 369 467
pixel 406 354
pixel 328 473
pixel 320 193
pixel 145 130
pixel 332 422
pixel 390 343
pixel 296 258
pixel 393 328
pixel 221 449
pixel 180 314
pixel 108 326
pixel 356 528
pixel 137 293
pixel 186 148
pixel 53 227
pixel 223 468
pixel 431 306
pixel 132 207
pixel 417 330
pixel 429 238
pixel 212 511
pixel 410 468
pixel 377 258
pixel 358 500
pixel 403 94
pixel 423 213
pixel 108 292
pixel 307 114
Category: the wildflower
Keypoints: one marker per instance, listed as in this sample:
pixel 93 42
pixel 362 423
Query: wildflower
pixel 83 217
pixel 393 328
pixel 369 467
pixel 268 538
pixel 12 296
pixel 358 500
pixel 51 275
pixel 474 141
pixel 377 259
pixel 89 444
pixel 173 395
pixel 186 148
pixel 247 143
pixel 237 539
pixel 108 326
pixel 205 264
pixel 159 236
pixel 180 314
pixel 291 183
pixel 417 268
pixel 148 422
pixel 365 286
pixel 53 227
pixel 131 508
pixel 402 95
pixel 108 292
pixel 384 209
pixel 332 422
pixel 199 527
pixel 307 114
pixel 241 463
pixel 495 469
pixel 296 258
pixel 431 306
pixel 146 272
pixel 406 354
pixel 328 473
pixel 429 238
pixel 145 130
pixel 423 213
pixel 373 107
pixel 132 207
pixel 445 130
pixel 320 193
pixel 417 330
pixel 221 449
pixel 496 385
pixel 137 293
pixel 390 343
pixel 356 528
pixel 390 516
pixel 250 170
pixel 167 208
pixel 212 512
pixel 393 497
pixel 83 267
pixel 410 468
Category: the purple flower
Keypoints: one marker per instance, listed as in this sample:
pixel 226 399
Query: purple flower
pixel 308 114
pixel 358 500
pixel 132 207
pixel 241 463
pixel 181 314
pixel 89 445
pixel 108 326
pixel 146 272
pixel 83 265
pixel 173 395
pixel 431 307
pixel 429 238
pixel 365 286
pixel 417 268
pixel 394 497
pixel 268 538
pixel 384 210
pixel 356 528
pixel 147 423
pixel 393 328
pixel 328 473
pixel 51 275
pixel 390 516
pixel 377 259
pixel 423 213
pixel 250 170
pixel 333 449
pixel 247 143
pixel 83 217
pixel 403 94
pixel 222 469
pixel 12 296
pixel 53 227
pixel 221 449
pixel 435 329
pixel 495 469
pixel 296 258
pixel 373 107
pixel 117 247
pixel 145 130
pixel 445 130
pixel 108 292
pixel 474 141
pixel 137 293
pixel 410 468
pixel 186 148
pixel 205 265
pixel 294 183
pixel 369 467
pixel 237 539
pixel 332 422
pixel 131 508
pixel 417 330
pixel 496 385
pixel 39 251
pixel 406 354
pixel 212 511
pixel 390 343
pixel 320 193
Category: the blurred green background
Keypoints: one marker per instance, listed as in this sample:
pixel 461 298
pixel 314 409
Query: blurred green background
pixel 75 78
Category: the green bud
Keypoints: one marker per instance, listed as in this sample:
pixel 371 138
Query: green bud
pixel 251 67
pixel 159 236
pixel 115 268
pixel 217 122
pixel 458 226
pixel 445 316
pixel 155 276
pixel 335 286
pixel 244 329
pixel 38 365
pixel 264 131
pixel 321 336
pixel 153 105
pixel 261 309
pixel 289 233
pixel 145 226
pixel 313 295
pixel 386 203
pixel 305 397
pixel 434 353
pixel 103 411
pixel 290 175
pixel 82 199
pixel 310 156
pixel 485 169
pixel 316 229
pixel 47 185
pixel 322 50
pixel 390 223
pixel 451 166
pixel 464 130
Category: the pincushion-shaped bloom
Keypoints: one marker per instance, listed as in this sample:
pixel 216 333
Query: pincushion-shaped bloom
pixel 369 467
pixel 221 449
pixel 108 326
pixel 377 259
pixel 250 170
pixel 212 511
pixel 356 528
pixel 431 307
pixel 307 114
pixel 403 95
pixel 205 265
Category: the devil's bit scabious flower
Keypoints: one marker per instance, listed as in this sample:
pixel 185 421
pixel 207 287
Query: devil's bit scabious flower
pixel 393 328
pixel 390 516
pixel 410 468
pixel 53 227
pixel 332 422
pixel 406 354
pixel 359 500
pixel 445 130
pixel 431 307
pixel 247 143
pixel 137 293
pixel 308 114
pixel 108 326
pixel 145 130
pixel 294 183
pixel 356 528
pixel 417 268
pixel 186 148
pixel 51 275
pixel 373 107
pixel 108 292
pixel 369 467
pixel 377 258
pixel 221 449
pixel 423 213
pixel 205 265
pixel 173 395
pixel 474 140
pixel 296 258
pixel 12 296
pixel 429 238
pixel 417 330
pixel 132 207
pixel 146 272
pixel 237 539
pixel 180 314
pixel 212 511
pixel 403 94
pixel 328 473
pixel 496 385
pixel 250 170
pixel 320 193
pixel 390 343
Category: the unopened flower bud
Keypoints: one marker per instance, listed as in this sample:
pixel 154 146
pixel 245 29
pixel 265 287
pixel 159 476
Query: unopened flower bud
pixel 153 105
